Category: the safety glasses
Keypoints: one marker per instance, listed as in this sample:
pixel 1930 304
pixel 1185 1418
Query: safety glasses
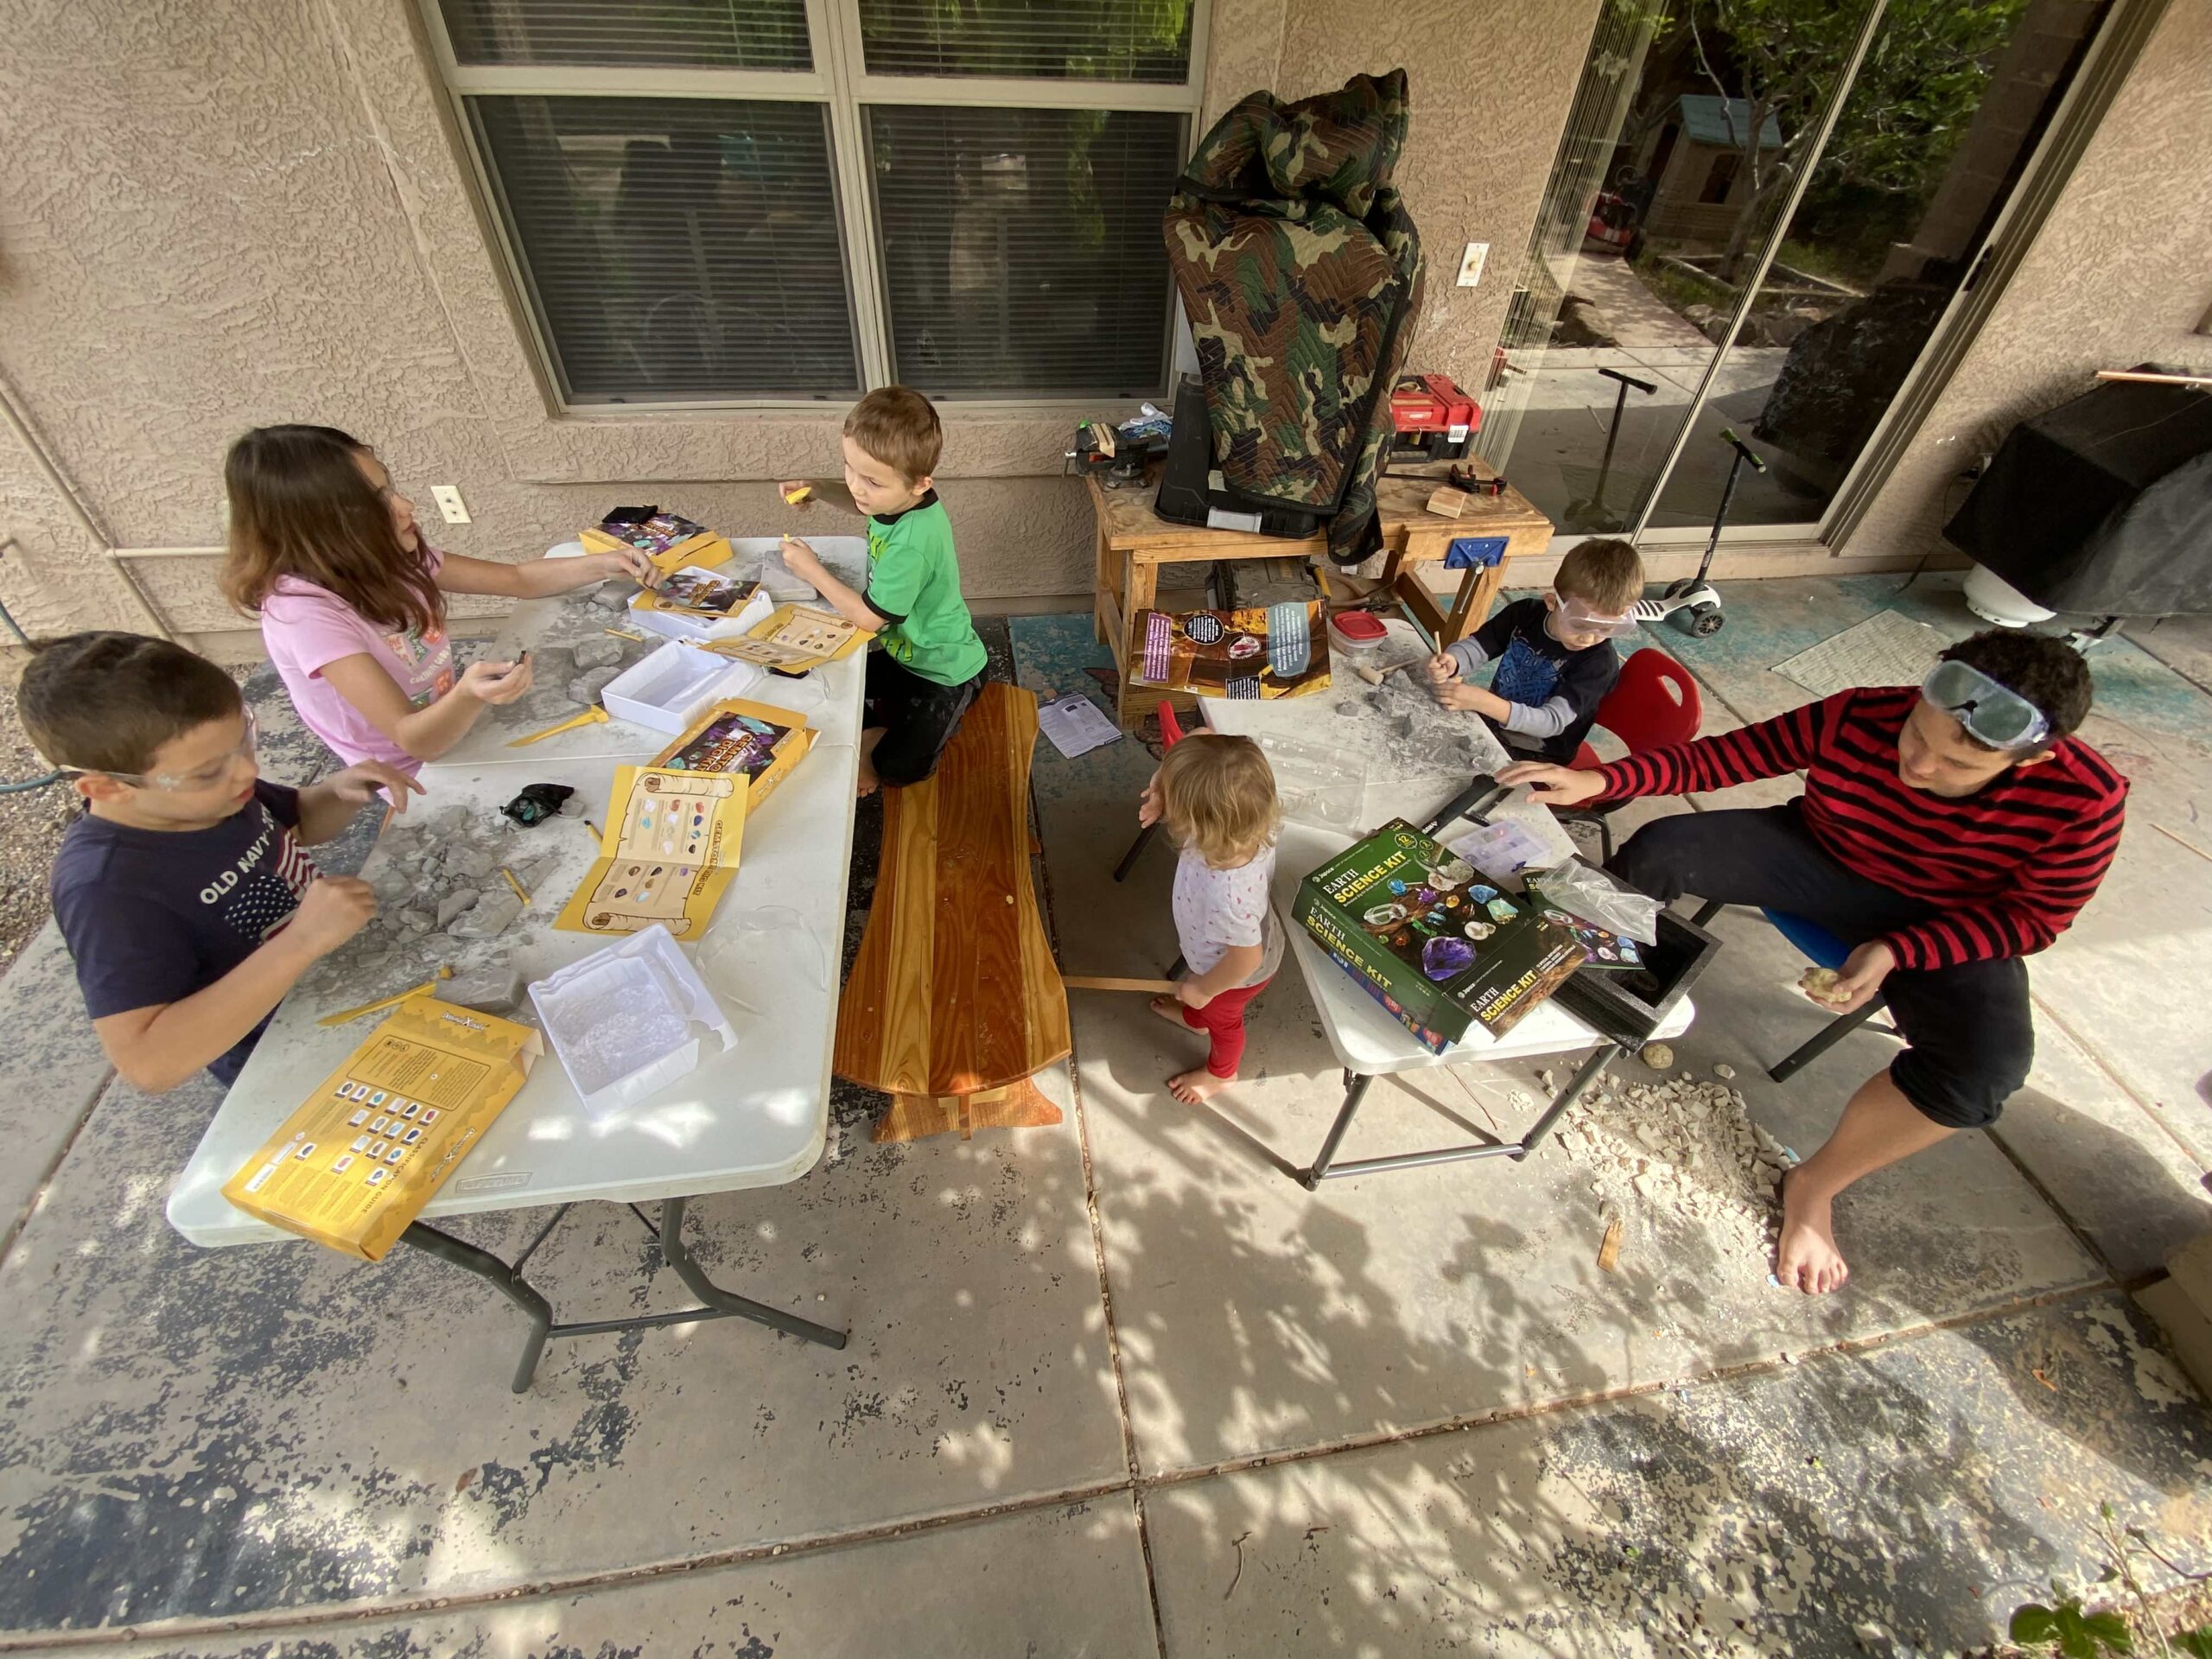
pixel 1575 616
pixel 1992 714
pixel 183 783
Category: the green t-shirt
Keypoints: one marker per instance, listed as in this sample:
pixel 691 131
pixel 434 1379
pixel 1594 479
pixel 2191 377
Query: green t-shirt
pixel 913 583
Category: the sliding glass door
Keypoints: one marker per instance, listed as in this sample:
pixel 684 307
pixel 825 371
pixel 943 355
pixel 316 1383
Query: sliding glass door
pixel 1760 214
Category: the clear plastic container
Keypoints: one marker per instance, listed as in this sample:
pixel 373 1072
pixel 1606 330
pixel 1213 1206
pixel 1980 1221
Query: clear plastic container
pixel 669 690
pixel 628 1020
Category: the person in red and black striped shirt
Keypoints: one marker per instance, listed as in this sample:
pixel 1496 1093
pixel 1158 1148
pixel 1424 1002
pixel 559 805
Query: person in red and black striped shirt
pixel 1942 860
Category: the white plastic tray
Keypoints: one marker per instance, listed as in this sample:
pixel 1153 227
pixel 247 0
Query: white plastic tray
pixel 668 691
pixel 626 1020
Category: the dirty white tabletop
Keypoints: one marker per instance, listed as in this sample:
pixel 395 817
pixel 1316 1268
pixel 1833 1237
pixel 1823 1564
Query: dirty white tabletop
pixel 755 1116
pixel 1381 779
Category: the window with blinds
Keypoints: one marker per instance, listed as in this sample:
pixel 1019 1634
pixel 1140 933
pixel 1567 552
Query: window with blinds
pixel 705 203
pixel 1021 248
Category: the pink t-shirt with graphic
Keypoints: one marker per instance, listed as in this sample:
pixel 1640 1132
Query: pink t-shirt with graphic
pixel 305 628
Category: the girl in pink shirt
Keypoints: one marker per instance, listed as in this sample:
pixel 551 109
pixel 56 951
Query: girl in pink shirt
pixel 352 599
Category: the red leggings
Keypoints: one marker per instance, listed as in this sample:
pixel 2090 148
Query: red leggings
pixel 1223 1019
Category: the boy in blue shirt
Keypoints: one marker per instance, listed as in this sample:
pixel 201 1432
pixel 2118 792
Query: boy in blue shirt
pixel 1554 654
pixel 930 666
pixel 182 891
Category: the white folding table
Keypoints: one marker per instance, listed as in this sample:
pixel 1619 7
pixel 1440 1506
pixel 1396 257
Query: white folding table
pixel 1366 1041
pixel 754 1116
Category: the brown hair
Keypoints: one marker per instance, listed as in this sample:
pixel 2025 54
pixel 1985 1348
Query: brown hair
pixel 1217 795
pixel 301 506
pixel 898 427
pixel 1605 571
pixel 107 702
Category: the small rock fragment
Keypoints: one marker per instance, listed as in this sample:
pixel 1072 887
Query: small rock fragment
pixel 454 902
pixel 1819 982
pixel 494 988
pixel 586 686
pixel 473 863
pixel 417 920
pixel 1658 1055
pixel 1724 1073
pixel 597 653
pixel 613 596
pixel 487 918
pixel 573 807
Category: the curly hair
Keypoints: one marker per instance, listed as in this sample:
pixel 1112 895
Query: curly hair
pixel 2048 673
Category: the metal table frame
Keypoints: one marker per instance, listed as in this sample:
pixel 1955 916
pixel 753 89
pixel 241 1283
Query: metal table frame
pixel 1325 1168
pixel 506 1278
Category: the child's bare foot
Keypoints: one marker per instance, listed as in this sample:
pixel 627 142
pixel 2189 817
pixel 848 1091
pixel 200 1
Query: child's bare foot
pixel 1170 1009
pixel 869 781
pixel 1196 1085
pixel 1806 1258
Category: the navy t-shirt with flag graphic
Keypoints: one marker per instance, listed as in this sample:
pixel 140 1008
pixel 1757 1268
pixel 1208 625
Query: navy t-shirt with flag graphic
pixel 151 916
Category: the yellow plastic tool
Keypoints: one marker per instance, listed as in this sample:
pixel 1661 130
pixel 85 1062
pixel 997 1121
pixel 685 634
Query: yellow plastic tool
pixel 384 1001
pixel 591 717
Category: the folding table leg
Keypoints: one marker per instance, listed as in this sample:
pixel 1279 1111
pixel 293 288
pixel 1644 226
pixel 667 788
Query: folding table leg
pixel 1592 1069
pixel 507 1281
pixel 1355 1090
pixel 694 1279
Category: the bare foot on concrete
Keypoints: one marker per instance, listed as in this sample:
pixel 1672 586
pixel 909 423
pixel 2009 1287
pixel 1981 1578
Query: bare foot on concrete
pixel 869 781
pixel 1806 1258
pixel 1170 1009
pixel 1196 1085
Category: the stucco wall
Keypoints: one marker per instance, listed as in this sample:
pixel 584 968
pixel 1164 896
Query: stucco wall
pixel 1490 82
pixel 2120 273
pixel 246 213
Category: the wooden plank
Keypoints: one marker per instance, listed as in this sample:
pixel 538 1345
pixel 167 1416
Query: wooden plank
pixel 913 1117
pixel 1108 983
pixel 953 992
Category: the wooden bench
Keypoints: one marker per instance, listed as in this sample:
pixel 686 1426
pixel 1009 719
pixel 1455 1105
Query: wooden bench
pixel 954 1001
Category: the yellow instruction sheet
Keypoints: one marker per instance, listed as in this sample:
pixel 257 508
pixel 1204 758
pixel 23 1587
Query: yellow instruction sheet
pixel 357 1163
pixel 668 852
pixel 794 638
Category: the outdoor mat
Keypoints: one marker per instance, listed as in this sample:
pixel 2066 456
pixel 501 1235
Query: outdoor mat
pixel 1886 649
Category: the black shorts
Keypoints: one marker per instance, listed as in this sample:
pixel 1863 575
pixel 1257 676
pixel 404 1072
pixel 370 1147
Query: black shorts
pixel 917 718
pixel 1969 1032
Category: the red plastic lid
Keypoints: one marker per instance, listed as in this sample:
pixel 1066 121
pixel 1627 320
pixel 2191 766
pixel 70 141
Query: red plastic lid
pixel 1358 627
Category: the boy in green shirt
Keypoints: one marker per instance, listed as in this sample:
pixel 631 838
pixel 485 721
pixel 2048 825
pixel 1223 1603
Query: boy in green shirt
pixel 930 664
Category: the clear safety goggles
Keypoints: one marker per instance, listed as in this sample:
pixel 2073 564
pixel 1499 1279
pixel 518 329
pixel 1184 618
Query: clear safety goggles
pixel 1992 714
pixel 202 777
pixel 1576 616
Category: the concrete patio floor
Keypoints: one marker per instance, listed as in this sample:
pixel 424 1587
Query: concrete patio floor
pixel 1120 1387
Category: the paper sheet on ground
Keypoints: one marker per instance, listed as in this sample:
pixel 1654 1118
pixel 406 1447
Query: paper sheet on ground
pixel 1886 649
pixel 1076 725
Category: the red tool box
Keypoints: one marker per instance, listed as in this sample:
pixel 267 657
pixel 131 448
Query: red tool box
pixel 1434 417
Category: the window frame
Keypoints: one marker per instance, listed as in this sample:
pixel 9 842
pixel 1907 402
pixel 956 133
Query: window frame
pixel 839 82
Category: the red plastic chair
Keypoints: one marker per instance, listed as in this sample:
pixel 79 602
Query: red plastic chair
pixel 1654 703
pixel 1170 734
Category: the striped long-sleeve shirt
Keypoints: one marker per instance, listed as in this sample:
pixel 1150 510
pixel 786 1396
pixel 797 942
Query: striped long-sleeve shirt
pixel 2007 866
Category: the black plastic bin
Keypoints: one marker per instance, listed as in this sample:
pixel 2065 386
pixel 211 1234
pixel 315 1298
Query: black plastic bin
pixel 1627 1006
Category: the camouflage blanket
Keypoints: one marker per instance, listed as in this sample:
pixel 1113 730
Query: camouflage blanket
pixel 1300 269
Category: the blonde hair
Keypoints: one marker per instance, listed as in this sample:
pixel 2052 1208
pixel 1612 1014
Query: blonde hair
pixel 899 428
pixel 1605 571
pixel 1217 797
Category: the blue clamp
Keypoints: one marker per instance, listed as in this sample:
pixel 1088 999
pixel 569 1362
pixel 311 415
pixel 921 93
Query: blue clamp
pixel 1475 552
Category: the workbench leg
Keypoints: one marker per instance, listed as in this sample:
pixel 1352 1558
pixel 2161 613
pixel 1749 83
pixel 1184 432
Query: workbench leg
pixel 694 1279
pixel 1140 592
pixel 1104 588
pixel 507 1281
pixel 1478 591
pixel 1354 1091
pixel 1592 1069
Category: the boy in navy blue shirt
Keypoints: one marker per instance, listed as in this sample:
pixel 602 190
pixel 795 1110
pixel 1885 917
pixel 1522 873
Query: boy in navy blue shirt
pixel 1554 654
pixel 182 891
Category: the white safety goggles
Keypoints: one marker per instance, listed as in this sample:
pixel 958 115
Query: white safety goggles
pixel 1575 616
pixel 1993 714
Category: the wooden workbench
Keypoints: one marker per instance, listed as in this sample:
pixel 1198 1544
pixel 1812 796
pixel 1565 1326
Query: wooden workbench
pixel 1134 542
